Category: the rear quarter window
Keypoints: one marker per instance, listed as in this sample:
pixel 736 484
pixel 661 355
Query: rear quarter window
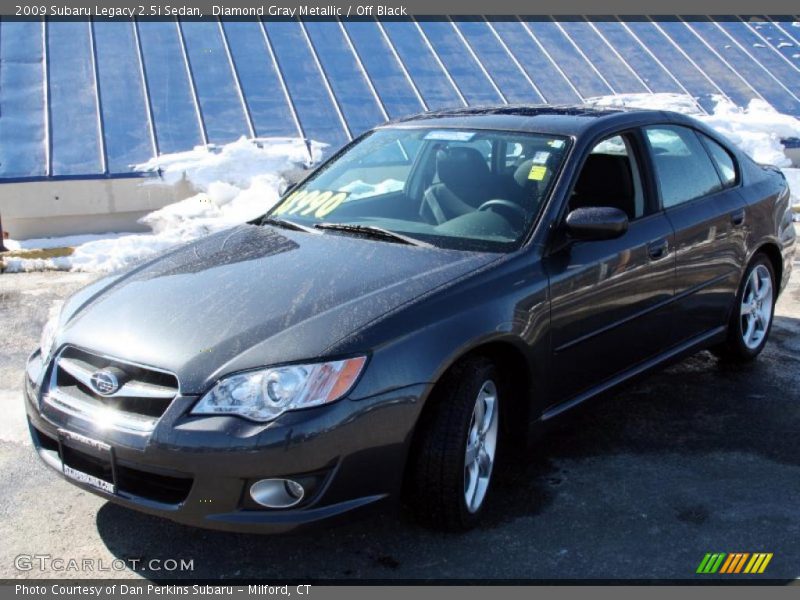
pixel 723 160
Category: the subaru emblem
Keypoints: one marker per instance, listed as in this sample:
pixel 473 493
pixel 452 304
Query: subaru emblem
pixel 104 383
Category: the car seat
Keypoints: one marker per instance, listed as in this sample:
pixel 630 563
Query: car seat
pixel 464 183
pixel 605 180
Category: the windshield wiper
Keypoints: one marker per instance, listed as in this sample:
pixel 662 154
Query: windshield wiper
pixel 287 224
pixel 378 233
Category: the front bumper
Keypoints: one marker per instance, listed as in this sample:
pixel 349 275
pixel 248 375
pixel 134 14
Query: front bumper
pixel 197 470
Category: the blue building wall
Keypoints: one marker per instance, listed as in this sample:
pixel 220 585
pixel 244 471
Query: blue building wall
pixel 88 99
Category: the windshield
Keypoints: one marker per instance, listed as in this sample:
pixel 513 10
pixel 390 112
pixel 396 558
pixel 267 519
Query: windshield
pixel 454 188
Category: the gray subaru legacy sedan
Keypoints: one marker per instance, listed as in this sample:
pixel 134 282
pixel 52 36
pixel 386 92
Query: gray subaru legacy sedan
pixel 405 316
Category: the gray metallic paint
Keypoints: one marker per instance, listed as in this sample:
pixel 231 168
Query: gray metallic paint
pixel 581 316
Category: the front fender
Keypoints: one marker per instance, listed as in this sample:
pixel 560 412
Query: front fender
pixel 507 305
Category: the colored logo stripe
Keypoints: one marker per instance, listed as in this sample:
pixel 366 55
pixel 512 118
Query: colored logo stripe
pixel 723 563
pixel 758 563
pixel 734 563
pixel 711 562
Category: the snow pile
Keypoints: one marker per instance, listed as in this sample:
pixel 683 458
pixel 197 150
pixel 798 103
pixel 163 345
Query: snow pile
pixel 59 242
pixel 236 182
pixel 757 129
pixel 677 102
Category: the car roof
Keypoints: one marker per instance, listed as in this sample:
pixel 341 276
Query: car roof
pixel 569 120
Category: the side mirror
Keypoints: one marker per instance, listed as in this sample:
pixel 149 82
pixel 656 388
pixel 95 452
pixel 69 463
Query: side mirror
pixel 596 223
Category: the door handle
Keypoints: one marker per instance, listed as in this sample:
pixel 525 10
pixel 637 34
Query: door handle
pixel 737 218
pixel 657 250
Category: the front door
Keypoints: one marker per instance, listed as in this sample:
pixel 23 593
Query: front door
pixel 610 299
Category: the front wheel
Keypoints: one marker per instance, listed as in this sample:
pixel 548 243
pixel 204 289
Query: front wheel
pixel 456 448
pixel 751 320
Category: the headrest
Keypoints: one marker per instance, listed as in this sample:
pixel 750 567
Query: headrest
pixel 605 176
pixel 461 168
pixel 522 172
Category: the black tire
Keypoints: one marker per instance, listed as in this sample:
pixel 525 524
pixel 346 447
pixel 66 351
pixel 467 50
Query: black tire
pixel 734 349
pixel 436 483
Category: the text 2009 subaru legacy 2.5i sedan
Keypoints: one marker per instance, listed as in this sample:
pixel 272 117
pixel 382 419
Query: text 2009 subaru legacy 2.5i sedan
pixel 434 291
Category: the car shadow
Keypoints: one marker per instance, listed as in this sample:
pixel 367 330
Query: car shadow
pixel 696 407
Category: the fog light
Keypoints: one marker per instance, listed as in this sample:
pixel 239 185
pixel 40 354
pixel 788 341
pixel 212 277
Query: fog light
pixel 277 493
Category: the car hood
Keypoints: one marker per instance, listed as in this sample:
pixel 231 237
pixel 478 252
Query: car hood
pixel 253 296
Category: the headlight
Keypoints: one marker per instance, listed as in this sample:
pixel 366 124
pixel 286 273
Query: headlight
pixel 265 394
pixel 49 331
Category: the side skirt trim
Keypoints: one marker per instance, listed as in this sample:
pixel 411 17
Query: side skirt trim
pixel 640 368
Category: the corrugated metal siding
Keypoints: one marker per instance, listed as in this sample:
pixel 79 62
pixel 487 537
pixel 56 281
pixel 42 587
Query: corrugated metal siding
pixel 91 99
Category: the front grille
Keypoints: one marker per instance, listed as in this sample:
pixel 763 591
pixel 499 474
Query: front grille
pixel 109 391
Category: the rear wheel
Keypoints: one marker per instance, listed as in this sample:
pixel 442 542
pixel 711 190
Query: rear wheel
pixel 751 320
pixel 456 448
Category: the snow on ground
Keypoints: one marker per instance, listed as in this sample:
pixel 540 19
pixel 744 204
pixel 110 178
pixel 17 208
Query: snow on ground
pixel 241 180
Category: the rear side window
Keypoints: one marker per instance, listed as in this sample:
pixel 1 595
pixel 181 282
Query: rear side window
pixel 723 160
pixel 683 168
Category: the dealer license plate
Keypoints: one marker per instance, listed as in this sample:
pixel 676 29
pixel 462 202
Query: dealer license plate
pixel 102 457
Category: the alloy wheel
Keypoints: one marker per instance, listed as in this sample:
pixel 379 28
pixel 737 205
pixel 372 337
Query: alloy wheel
pixel 756 307
pixel 481 446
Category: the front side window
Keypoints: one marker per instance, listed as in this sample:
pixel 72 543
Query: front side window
pixel 441 186
pixel 683 169
pixel 610 177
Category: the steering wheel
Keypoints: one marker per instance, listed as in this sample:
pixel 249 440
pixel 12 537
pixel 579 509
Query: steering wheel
pixel 510 208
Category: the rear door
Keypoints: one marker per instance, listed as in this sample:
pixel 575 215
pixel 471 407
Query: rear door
pixel 697 181
pixel 610 298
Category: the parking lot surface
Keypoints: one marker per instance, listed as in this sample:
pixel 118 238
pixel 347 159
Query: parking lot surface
pixel 700 457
